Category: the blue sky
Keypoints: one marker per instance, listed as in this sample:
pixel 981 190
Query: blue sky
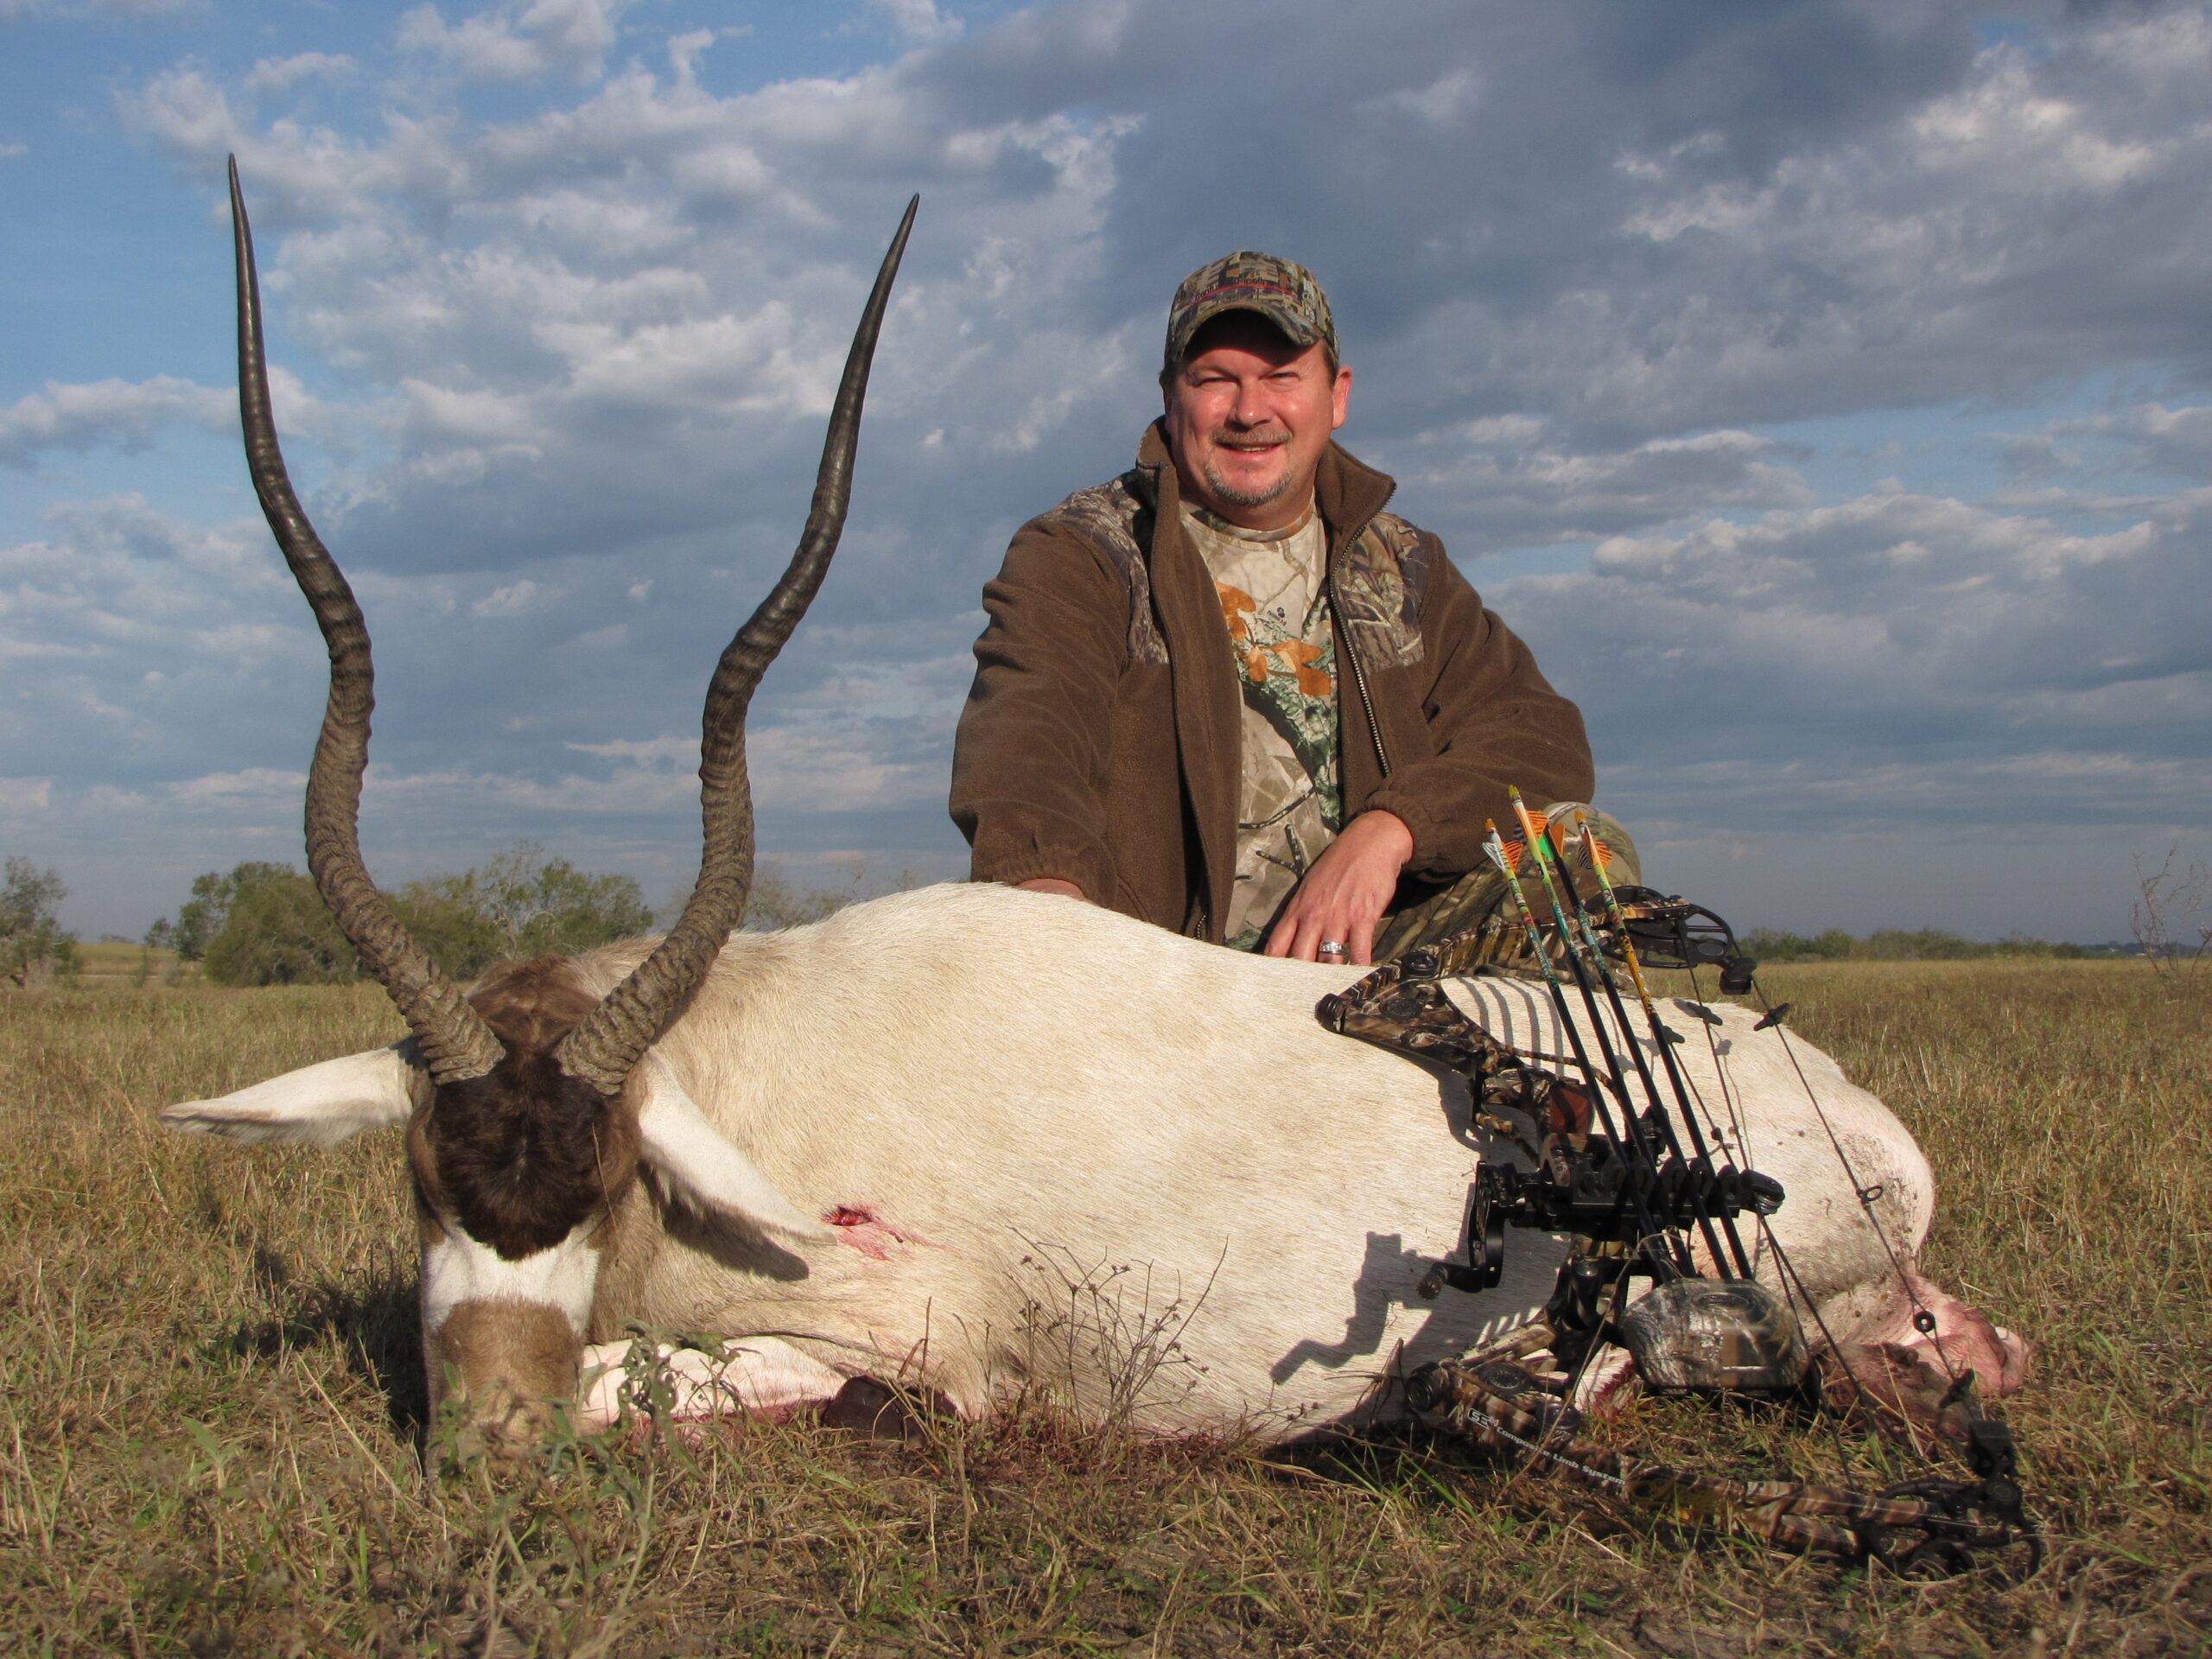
pixel 1821 387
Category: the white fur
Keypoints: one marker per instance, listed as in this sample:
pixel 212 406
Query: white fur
pixel 320 1104
pixel 697 1166
pixel 458 1268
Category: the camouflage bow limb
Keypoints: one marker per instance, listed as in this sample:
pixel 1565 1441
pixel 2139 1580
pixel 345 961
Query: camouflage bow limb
pixel 1402 1006
pixel 1501 1405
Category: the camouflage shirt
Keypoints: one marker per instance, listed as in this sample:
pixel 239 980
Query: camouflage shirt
pixel 1285 651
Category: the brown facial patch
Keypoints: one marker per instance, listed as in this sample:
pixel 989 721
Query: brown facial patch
pixel 523 1156
pixel 532 1004
pixel 508 1359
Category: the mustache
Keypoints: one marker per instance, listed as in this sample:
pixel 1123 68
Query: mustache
pixel 1229 434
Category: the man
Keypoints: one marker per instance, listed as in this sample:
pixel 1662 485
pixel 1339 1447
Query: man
pixel 1229 694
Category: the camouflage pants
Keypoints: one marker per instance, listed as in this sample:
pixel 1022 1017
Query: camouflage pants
pixel 1429 912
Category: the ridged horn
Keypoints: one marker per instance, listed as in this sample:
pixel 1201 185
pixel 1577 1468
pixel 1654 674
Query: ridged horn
pixel 603 1048
pixel 456 1043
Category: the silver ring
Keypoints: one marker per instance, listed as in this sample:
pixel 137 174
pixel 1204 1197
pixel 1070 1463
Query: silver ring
pixel 1332 947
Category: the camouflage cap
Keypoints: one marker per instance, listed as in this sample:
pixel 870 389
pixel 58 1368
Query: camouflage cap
pixel 1280 290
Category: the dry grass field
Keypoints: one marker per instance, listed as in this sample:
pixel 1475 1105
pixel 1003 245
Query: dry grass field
pixel 108 965
pixel 210 1410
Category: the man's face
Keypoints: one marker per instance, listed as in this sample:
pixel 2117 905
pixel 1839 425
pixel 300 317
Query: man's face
pixel 1249 414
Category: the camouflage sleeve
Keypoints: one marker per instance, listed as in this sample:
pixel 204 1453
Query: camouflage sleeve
pixel 1493 720
pixel 1030 758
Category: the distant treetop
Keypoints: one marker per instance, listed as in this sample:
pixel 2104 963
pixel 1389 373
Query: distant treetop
pixel 265 924
pixel 1897 945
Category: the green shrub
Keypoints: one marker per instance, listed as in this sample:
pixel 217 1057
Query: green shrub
pixel 278 931
pixel 33 944
pixel 521 903
pixel 266 924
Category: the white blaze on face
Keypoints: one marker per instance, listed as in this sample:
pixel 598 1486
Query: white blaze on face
pixel 457 1268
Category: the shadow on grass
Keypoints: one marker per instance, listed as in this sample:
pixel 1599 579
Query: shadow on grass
pixel 1401 1459
pixel 376 1327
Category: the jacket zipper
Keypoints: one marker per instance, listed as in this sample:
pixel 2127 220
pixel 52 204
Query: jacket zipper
pixel 1358 673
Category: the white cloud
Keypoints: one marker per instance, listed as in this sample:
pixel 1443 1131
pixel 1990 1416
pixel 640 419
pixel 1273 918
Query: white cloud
pixel 1894 658
pixel 121 412
pixel 22 796
pixel 2148 437
pixel 279 74
pixel 635 264
pixel 1975 228
pixel 842 771
pixel 1444 101
pixel 516 598
pixel 517 41
pixel 128 634
pixel 918 21
pixel 1514 482
pixel 684 51
pixel 649 753
pixel 266 785
pixel 518 797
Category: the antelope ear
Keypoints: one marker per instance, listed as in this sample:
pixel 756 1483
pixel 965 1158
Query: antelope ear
pixel 320 1104
pixel 696 1166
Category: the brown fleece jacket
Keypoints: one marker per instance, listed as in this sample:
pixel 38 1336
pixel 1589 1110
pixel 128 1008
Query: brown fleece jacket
pixel 1099 743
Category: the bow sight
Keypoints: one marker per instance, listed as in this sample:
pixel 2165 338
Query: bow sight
pixel 1674 933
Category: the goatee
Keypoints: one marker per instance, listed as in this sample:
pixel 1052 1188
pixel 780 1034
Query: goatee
pixel 1236 496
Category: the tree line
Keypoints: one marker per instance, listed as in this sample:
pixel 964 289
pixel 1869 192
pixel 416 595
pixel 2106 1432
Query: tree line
pixel 265 924
pixel 1899 944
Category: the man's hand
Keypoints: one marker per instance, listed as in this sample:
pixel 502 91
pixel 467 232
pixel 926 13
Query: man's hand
pixel 1344 894
pixel 1051 884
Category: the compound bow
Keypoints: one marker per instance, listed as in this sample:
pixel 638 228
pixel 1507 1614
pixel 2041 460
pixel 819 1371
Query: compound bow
pixel 1630 1186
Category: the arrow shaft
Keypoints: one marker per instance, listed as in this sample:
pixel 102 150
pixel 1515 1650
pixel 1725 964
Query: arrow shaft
pixel 1659 1116
pixel 1667 1060
pixel 1534 836
pixel 1496 850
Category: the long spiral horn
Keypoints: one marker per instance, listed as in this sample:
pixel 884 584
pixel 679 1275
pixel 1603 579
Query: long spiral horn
pixel 607 1044
pixel 456 1043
